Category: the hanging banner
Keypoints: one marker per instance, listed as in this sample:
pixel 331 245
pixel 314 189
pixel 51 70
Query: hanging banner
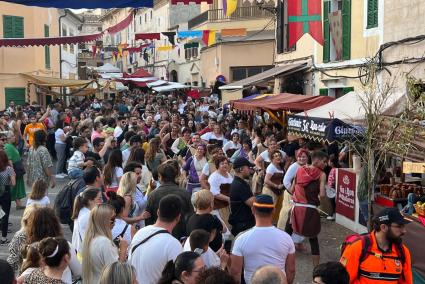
pixel 88 4
pixel 147 36
pixel 346 193
pixel 305 16
pixel 121 25
pixel 209 37
pixel 170 36
pixel 229 7
pixel 21 42
pixel 164 48
pixel 233 32
pixel 189 34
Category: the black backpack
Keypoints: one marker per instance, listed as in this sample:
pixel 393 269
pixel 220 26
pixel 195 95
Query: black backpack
pixel 64 203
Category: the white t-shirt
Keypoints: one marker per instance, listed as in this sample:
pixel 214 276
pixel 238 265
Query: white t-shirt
pixel 231 145
pixel 261 246
pixel 125 156
pixel 210 135
pixel 150 258
pixel 102 252
pixel 271 169
pixel 118 172
pixel 209 257
pixel 206 169
pixel 290 174
pixel 265 155
pixel 45 201
pixel 58 133
pixel 119 228
pixel 117 131
pixel 216 179
pixel 80 227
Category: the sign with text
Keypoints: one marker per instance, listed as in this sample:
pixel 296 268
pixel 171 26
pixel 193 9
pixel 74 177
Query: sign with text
pixel 417 168
pixel 346 193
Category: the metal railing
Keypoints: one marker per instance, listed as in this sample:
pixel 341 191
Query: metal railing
pixel 241 13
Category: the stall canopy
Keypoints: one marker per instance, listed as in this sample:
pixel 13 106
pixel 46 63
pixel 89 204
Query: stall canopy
pixel 139 73
pixel 348 108
pixel 266 75
pixel 107 68
pixel 55 82
pixel 91 4
pixel 281 102
pixel 170 87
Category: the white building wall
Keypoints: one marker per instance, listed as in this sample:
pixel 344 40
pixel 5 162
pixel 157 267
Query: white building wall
pixel 69 52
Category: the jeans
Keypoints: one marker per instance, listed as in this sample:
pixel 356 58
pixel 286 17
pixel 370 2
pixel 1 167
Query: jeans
pixel 75 173
pixel 60 154
pixel 5 203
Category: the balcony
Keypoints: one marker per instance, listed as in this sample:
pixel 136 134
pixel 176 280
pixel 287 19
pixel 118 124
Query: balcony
pixel 241 13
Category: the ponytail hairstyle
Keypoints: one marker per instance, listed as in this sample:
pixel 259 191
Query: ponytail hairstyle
pixel 53 250
pixel 31 257
pixel 173 270
pixel 82 200
pixel 116 201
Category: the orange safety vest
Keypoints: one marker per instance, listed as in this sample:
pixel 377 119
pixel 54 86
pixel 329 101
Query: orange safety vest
pixel 378 266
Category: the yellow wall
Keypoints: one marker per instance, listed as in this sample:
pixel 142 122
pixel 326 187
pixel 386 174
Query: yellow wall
pixel 258 53
pixel 15 60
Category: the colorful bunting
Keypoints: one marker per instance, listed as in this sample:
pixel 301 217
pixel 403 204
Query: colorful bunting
pixel 188 34
pixel 88 4
pixel 208 37
pixel 164 48
pixel 49 40
pixel 121 25
pixel 147 36
pixel 233 32
pixel 229 7
pixel 170 36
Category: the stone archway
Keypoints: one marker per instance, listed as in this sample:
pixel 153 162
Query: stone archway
pixel 174 76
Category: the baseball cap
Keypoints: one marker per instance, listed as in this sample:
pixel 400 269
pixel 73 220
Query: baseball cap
pixel 390 215
pixel 263 202
pixel 240 162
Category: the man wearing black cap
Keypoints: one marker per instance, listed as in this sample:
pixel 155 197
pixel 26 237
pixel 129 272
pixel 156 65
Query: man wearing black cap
pixel 262 245
pixel 241 197
pixel 380 257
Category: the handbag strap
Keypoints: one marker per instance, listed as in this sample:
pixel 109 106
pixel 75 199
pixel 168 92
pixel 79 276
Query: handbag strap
pixel 148 238
pixel 123 231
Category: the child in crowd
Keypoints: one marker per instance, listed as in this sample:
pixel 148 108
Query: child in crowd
pixel 76 162
pixel 39 194
pixel 32 260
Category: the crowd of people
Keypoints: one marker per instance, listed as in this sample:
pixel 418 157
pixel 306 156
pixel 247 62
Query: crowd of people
pixel 166 189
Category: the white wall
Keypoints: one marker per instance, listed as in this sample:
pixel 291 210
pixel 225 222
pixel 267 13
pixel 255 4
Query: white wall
pixel 69 52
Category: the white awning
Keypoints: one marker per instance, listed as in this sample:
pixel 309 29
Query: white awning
pixel 157 83
pixel 140 79
pixel 266 75
pixel 170 87
pixel 110 75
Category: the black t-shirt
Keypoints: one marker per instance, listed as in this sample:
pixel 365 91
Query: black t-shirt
pixel 207 222
pixel 291 148
pixel 240 191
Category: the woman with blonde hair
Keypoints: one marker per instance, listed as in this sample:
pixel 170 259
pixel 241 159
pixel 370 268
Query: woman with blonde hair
pixel 98 247
pixel 118 272
pixel 155 155
pixel 127 190
pixel 19 240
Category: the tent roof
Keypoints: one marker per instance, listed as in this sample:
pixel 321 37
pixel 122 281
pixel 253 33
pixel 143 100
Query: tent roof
pixel 284 101
pixel 140 73
pixel 266 75
pixel 348 108
pixel 55 82
pixel 171 86
pixel 107 68
pixel 91 4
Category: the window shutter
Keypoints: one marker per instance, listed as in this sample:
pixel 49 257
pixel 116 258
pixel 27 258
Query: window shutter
pixel 7 26
pixel 346 29
pixel 326 35
pixel 346 90
pixel 372 13
pixel 46 48
pixel 323 92
pixel 18 26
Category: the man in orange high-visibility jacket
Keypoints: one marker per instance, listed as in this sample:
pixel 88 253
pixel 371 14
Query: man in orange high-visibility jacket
pixel 381 258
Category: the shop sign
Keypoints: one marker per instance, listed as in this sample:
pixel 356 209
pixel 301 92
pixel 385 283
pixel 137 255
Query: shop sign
pixel 346 193
pixel 413 168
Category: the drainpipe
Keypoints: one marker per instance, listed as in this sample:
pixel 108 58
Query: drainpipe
pixel 60 47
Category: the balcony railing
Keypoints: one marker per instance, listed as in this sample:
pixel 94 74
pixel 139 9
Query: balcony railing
pixel 241 13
